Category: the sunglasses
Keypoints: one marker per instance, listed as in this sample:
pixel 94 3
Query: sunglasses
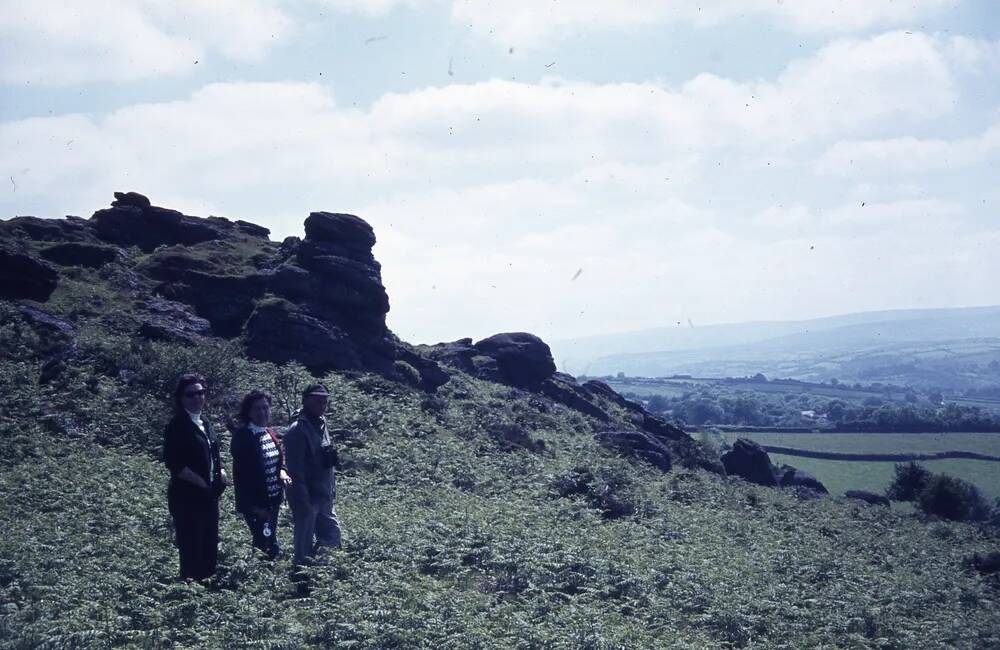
pixel 194 393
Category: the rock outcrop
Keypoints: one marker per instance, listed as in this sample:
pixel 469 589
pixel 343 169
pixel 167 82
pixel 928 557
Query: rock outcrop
pixel 23 276
pixel 166 320
pixel 638 444
pixel 93 256
pixel 133 221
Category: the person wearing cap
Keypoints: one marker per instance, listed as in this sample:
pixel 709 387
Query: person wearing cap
pixel 310 458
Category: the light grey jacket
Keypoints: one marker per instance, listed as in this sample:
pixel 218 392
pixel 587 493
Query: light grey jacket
pixel 311 481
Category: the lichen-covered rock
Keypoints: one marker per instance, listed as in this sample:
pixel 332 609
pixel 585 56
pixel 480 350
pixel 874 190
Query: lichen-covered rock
pixel 748 460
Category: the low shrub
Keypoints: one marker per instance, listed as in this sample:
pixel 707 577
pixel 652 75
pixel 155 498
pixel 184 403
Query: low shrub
pixel 953 498
pixel 911 479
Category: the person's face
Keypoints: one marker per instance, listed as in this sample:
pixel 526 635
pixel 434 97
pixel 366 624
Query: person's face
pixel 315 405
pixel 260 412
pixel 193 398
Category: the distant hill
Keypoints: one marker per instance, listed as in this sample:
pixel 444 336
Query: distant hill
pixel 954 348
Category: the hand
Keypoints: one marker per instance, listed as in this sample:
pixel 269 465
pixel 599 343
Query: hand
pixel 286 480
pixel 189 475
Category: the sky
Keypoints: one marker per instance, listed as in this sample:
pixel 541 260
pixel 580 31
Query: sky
pixel 562 168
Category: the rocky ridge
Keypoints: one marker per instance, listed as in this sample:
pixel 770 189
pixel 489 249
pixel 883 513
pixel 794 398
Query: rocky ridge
pixel 317 300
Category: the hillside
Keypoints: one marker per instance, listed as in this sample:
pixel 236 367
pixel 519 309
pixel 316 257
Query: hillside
pixel 487 501
pixel 946 348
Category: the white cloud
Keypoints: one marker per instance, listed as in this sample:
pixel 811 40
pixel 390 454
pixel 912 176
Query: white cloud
pixel 523 22
pixel 60 42
pixel 907 155
pixel 487 198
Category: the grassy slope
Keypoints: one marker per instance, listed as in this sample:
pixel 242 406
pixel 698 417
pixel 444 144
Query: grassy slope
pixel 450 541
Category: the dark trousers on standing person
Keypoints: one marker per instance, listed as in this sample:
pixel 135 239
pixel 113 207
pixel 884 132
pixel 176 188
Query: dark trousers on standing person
pixel 268 543
pixel 196 526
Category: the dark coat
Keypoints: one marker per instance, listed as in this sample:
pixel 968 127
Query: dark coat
pixel 184 445
pixel 249 479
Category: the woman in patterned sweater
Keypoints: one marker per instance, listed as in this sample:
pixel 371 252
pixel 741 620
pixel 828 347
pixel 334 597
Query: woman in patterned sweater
pixel 259 472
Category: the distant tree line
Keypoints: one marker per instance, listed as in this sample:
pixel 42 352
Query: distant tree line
pixel 712 405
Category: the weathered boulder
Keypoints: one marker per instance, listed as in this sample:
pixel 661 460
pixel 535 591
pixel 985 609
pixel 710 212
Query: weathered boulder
pixel 133 221
pixel 24 276
pixel 524 360
pixel 789 476
pixel 166 320
pixel 748 460
pixel 347 230
pixel 278 331
pixel 637 444
pixel 81 254
pixel 868 497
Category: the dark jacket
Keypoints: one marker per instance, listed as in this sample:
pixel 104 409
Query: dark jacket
pixel 249 479
pixel 312 479
pixel 184 445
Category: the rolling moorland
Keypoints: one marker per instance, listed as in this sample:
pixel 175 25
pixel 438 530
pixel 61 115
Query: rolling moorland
pixel 488 501
pixel 953 350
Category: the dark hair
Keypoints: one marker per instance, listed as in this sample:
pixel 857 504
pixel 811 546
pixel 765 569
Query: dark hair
pixel 248 401
pixel 182 383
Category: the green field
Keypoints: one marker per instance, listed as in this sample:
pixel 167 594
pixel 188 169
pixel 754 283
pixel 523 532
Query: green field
pixel 839 476
pixel 878 443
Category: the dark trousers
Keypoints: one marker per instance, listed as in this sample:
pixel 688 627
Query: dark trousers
pixel 197 530
pixel 266 543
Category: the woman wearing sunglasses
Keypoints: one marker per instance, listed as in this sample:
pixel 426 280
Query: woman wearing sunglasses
pixel 191 453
